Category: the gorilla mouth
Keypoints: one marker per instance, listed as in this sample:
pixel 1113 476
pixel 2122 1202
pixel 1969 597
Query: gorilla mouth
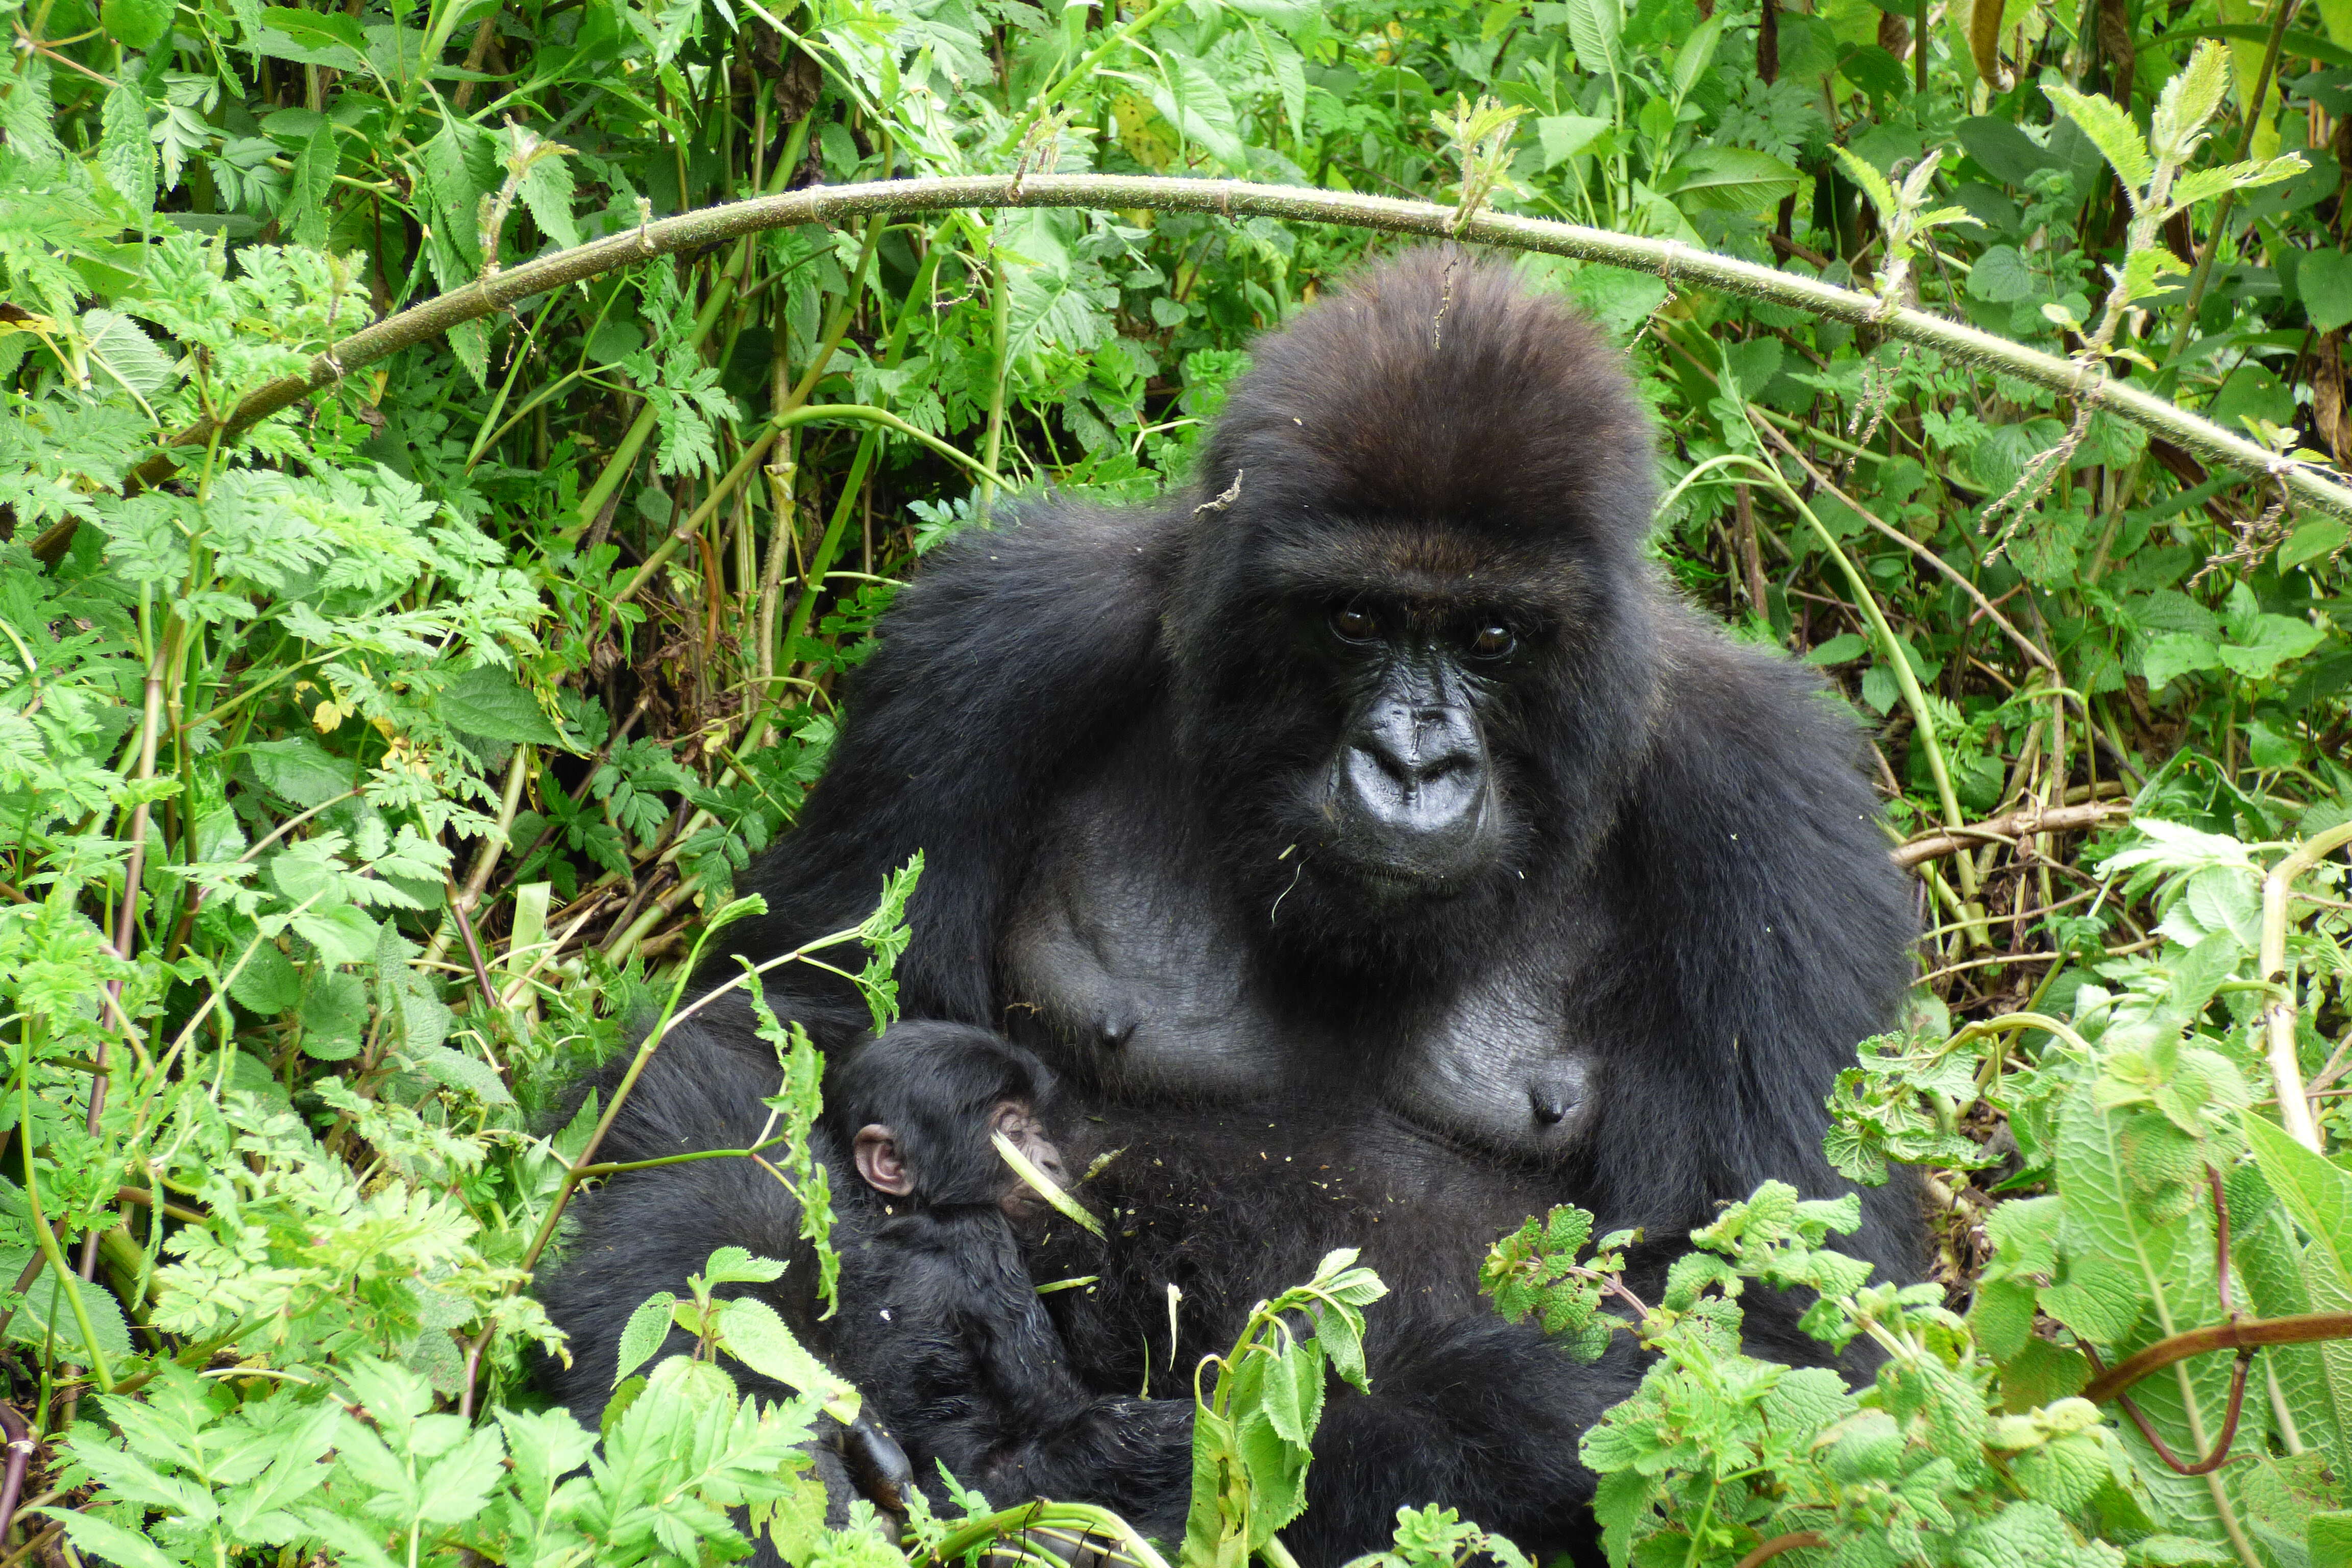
pixel 1410 853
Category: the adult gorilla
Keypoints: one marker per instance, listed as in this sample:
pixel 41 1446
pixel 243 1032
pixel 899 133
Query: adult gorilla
pixel 1382 855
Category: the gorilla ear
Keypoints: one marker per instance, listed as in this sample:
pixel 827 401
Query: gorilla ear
pixel 879 1162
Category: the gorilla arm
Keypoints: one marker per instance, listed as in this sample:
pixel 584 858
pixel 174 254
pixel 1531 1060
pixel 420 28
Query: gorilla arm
pixel 1015 649
pixel 1757 887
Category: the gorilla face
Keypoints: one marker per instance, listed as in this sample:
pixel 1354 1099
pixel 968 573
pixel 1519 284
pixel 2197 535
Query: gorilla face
pixel 1408 800
pixel 1407 622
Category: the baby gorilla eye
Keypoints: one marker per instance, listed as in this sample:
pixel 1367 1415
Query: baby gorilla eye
pixel 1493 641
pixel 1354 625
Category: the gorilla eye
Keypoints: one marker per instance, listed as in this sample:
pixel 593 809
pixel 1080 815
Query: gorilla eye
pixel 1494 641
pixel 1355 625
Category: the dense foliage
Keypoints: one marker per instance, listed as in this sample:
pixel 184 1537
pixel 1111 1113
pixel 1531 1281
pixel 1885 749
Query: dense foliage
pixel 359 779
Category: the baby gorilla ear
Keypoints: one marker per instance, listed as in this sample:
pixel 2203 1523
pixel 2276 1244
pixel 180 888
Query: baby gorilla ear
pixel 880 1163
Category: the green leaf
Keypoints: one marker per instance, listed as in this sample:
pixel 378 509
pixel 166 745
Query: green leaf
pixel 1191 100
pixel 307 192
pixel 325 37
pixel 1593 28
pixel 2273 640
pixel 2112 131
pixel 107 1540
pixel 2207 184
pixel 120 347
pixel 1873 184
pixel 300 769
pixel 343 934
pixel 488 701
pixel 47 1311
pixel 1563 136
pixel 1697 53
pixel 1727 179
pixel 648 1327
pixel 2188 101
pixel 2313 1189
pixel 547 191
pixel 457 1070
pixel 1842 648
pixel 1294 1392
pixel 736 1265
pixel 2003 276
pixel 753 1334
pixel 2322 536
pixel 1277 1478
pixel 137 24
pixel 2175 654
pixel 458 1484
pixel 2120 1254
pixel 2329 1536
pixel 126 155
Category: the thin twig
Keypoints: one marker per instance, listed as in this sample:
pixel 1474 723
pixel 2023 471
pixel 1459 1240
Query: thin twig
pixel 1795 1540
pixel 2024 822
pixel 20 1456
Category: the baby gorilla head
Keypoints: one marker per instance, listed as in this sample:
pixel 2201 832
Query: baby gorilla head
pixel 919 1109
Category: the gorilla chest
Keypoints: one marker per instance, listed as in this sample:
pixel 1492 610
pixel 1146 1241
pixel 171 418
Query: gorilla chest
pixel 1146 988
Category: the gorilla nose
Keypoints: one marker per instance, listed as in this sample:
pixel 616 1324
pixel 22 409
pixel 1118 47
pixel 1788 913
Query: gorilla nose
pixel 1416 768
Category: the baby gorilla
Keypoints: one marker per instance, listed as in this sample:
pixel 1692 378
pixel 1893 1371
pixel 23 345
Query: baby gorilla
pixel 939 1324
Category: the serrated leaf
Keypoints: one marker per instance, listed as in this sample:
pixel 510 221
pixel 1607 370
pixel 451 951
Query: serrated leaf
pixel 547 191
pixel 1278 1479
pixel 2252 174
pixel 137 24
pixel 2118 1253
pixel 126 154
pixel 2112 131
pixel 457 1070
pixel 2313 1189
pixel 459 1485
pixel 109 1542
pixel 47 1311
pixel 1293 1392
pixel 736 1265
pixel 305 207
pixel 648 1327
pixel 2188 100
pixel 488 701
pixel 1873 184
pixel 753 1334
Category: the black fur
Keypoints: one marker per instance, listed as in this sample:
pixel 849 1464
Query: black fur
pixel 938 1322
pixel 1125 740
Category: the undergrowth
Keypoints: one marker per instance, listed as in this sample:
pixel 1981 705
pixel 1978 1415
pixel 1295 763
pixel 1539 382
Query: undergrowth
pixel 360 774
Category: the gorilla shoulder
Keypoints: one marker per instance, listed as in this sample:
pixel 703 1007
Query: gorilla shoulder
pixel 1759 843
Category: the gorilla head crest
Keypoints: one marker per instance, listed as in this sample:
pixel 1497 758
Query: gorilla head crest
pixel 1411 633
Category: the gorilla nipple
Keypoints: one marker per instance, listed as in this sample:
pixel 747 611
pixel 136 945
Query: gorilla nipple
pixel 1115 1032
pixel 1555 1092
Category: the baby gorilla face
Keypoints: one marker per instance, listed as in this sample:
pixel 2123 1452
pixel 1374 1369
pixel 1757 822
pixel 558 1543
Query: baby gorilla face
pixel 1017 1123
pixel 964 1165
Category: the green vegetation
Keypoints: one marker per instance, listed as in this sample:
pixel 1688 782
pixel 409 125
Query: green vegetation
pixel 360 771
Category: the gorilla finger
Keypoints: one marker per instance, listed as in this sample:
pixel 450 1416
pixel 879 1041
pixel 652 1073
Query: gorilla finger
pixel 877 1464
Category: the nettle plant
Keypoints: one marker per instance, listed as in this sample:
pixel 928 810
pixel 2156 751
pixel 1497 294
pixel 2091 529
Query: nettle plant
pixel 2152 1368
